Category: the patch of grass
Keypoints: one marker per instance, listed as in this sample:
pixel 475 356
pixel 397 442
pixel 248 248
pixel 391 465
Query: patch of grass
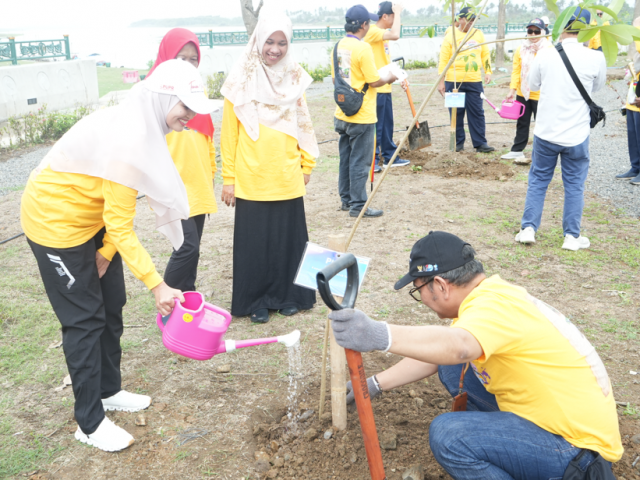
pixel 328 164
pixel 630 256
pixel 183 455
pixel 25 452
pixel 110 79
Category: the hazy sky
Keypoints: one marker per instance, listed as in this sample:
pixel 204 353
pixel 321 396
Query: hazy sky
pixel 61 13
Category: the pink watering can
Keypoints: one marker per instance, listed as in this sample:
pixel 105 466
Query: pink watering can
pixel 195 329
pixel 509 110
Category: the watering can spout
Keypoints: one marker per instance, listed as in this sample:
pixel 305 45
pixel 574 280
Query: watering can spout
pixel 288 340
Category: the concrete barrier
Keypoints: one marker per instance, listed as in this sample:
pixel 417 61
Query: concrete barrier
pixel 59 85
pixel 317 54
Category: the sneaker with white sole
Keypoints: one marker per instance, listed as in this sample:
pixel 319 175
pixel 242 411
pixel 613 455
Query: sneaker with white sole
pixel 575 244
pixel 124 401
pixel 527 235
pixel 512 156
pixel 108 437
pixel 399 162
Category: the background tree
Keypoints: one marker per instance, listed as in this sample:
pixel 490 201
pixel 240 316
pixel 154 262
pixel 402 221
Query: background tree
pixel 501 33
pixel 249 15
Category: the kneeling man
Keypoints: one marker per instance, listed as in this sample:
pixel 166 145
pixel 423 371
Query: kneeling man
pixel 538 393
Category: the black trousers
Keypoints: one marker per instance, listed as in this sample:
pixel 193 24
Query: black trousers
pixel 524 123
pixel 475 113
pixel 90 311
pixel 182 268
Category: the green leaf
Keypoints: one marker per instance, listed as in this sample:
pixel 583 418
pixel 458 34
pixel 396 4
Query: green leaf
pixel 606 10
pixel 551 5
pixel 465 58
pixel 615 6
pixel 623 34
pixel 587 34
pixel 431 31
pixel 474 65
pixel 609 47
pixel 561 21
pixel 473 55
pixel 466 67
pixel 424 31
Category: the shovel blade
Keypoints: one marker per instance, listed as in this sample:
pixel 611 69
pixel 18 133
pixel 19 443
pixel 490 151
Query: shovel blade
pixel 420 137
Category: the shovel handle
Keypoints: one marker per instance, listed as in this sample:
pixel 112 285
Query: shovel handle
pixel 413 108
pixel 365 414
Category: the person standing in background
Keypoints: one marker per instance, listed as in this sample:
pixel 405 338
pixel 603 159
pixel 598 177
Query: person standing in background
pixel 545 19
pixel 596 43
pixel 194 155
pixel 633 120
pixel 357 66
pixel 467 80
pixel 562 129
pixel 380 33
pixel 522 60
pixel 268 148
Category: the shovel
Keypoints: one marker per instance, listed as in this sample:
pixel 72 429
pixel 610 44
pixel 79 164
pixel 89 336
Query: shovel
pixel 354 359
pixel 419 137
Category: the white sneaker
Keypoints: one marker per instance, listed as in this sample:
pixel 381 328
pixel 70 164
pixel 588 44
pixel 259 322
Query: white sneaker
pixel 575 244
pixel 108 437
pixel 124 401
pixel 526 236
pixel 512 155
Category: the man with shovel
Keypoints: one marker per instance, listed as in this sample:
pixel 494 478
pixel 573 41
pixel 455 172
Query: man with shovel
pixel 537 396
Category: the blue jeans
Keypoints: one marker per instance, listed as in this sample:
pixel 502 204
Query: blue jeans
pixel 575 166
pixel 485 443
pixel 384 128
pixel 356 155
pixel 473 106
pixel 633 138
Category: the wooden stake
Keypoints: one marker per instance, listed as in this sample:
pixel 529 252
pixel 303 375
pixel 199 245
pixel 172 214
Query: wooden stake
pixel 454 121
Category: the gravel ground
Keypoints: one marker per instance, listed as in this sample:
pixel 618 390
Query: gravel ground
pixel 609 155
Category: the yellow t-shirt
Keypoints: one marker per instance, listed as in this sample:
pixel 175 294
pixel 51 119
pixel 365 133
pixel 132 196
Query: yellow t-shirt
pixel 595 42
pixel 381 52
pixel 268 169
pixel 64 210
pixel 194 155
pixel 540 367
pixel 633 108
pixel 516 80
pixel 357 66
pixel 457 71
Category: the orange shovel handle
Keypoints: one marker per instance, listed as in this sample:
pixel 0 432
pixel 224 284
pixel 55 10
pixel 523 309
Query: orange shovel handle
pixel 365 414
pixel 413 108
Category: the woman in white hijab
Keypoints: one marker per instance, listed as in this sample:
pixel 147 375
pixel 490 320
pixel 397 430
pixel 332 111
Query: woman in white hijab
pixel 77 213
pixel 268 148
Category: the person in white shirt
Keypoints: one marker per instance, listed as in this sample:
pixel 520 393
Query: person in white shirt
pixel 562 129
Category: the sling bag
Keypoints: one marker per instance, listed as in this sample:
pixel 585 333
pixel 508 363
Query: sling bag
pixel 348 99
pixel 597 470
pixel 596 112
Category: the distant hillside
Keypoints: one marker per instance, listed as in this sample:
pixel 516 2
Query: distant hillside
pixel 208 21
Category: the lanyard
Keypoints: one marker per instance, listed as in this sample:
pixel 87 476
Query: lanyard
pixel 352 36
pixel 464 370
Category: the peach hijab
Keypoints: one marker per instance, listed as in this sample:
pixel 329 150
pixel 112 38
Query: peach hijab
pixel 271 95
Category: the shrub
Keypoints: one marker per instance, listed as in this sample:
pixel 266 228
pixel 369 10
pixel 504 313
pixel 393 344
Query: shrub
pixel 319 73
pixel 214 84
pixel 415 64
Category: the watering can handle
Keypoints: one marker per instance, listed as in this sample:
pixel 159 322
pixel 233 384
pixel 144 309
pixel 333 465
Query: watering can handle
pixel 522 108
pixel 159 317
pixel 348 261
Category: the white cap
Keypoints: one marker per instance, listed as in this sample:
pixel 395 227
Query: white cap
pixel 545 20
pixel 180 78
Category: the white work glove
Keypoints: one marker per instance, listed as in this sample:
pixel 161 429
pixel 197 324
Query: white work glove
pixel 354 330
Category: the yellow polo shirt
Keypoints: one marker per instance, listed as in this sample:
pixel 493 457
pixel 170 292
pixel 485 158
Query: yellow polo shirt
pixel 541 367
pixel 269 169
pixel 64 210
pixel 381 52
pixel 458 72
pixel 194 156
pixel 357 66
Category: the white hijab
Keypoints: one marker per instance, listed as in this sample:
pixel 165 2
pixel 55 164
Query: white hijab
pixel 271 95
pixel 126 144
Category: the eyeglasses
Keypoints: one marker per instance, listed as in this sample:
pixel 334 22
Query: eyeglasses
pixel 415 292
pixel 531 31
pixel 599 14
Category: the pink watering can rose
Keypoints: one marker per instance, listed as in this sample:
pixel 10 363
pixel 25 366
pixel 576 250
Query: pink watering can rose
pixel 195 329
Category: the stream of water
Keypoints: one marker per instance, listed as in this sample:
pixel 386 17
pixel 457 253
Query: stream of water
pixel 295 386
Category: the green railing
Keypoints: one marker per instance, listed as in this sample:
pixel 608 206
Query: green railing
pixel 13 51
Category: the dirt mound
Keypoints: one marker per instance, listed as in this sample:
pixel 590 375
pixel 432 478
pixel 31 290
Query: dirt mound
pixel 450 164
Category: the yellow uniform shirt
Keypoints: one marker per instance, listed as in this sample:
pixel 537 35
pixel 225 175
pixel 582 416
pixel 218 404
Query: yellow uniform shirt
pixel 595 42
pixel 268 169
pixel 457 71
pixel 633 108
pixel 64 210
pixel 381 53
pixel 516 81
pixel 540 367
pixel 194 155
pixel 357 66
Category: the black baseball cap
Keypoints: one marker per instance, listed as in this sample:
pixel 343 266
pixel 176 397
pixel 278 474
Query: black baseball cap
pixel 385 8
pixel 357 15
pixel 438 252
pixel 538 23
pixel 467 13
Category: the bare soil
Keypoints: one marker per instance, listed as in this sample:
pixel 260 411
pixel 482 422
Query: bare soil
pixel 204 424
